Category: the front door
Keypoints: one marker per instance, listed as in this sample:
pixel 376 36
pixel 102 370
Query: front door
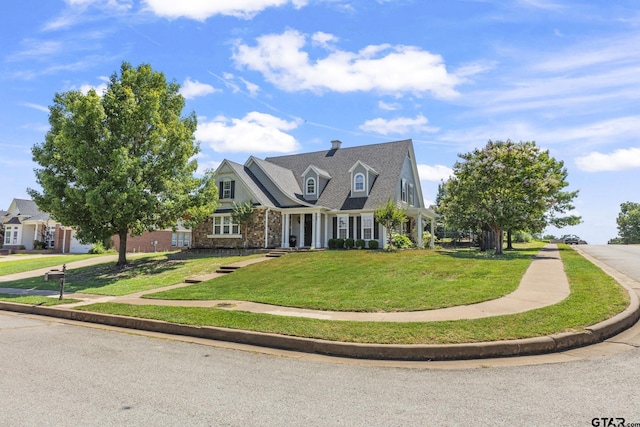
pixel 308 230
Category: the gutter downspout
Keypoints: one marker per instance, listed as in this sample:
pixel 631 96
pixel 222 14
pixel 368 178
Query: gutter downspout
pixel 266 228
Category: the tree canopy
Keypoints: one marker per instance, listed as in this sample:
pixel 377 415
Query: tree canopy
pixel 122 162
pixel 243 214
pixel 507 186
pixel 390 216
pixel 629 222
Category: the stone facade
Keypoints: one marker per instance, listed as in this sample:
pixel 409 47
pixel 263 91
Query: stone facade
pixel 255 233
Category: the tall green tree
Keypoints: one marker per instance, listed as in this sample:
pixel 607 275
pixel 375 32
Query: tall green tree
pixel 390 216
pixel 122 162
pixel 508 186
pixel 629 222
pixel 243 214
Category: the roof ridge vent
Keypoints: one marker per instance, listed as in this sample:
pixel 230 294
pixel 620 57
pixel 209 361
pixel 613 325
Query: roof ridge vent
pixel 335 144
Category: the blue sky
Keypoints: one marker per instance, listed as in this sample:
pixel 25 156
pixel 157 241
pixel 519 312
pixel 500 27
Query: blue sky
pixel 269 77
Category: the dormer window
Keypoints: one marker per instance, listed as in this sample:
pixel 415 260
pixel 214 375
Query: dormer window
pixel 228 189
pixel 311 186
pixel 358 182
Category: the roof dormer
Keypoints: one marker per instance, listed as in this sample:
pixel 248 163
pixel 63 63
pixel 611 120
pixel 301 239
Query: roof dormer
pixel 314 180
pixel 362 178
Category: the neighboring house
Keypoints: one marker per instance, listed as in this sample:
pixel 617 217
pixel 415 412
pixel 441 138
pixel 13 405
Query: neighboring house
pixel 158 240
pixel 303 200
pixel 24 224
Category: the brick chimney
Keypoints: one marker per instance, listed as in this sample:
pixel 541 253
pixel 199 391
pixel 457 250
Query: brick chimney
pixel 335 144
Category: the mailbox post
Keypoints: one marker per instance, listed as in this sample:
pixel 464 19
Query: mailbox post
pixel 57 274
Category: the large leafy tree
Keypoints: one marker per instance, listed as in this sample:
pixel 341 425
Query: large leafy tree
pixel 123 162
pixel 508 186
pixel 629 222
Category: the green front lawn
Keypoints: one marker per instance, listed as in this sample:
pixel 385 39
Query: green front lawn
pixel 24 264
pixel 36 300
pixel 594 297
pixel 145 272
pixel 371 281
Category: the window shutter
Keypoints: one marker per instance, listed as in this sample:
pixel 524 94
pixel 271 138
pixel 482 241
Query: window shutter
pixel 358 227
pixel 351 227
pixel 376 230
pixel 233 189
pixel 335 227
pixel 220 187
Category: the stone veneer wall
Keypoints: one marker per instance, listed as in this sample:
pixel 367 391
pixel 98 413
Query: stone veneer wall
pixel 255 232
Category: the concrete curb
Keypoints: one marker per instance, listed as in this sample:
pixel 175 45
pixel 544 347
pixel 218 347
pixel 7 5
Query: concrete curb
pixel 410 352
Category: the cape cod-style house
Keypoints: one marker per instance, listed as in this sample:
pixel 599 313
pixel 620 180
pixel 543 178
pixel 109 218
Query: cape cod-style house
pixel 25 224
pixel 303 200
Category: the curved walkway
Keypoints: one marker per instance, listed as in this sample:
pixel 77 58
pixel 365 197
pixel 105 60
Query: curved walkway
pixel 543 284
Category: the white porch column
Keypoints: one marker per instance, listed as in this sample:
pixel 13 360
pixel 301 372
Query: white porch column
pixel 326 230
pixel 64 238
pixel 285 230
pixel 419 229
pixel 318 238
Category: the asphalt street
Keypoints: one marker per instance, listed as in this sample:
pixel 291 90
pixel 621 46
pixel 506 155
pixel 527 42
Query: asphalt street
pixel 66 374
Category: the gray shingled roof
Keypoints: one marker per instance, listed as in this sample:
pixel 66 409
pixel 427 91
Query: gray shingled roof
pixel 29 209
pixel 283 177
pixel 386 158
pixel 264 198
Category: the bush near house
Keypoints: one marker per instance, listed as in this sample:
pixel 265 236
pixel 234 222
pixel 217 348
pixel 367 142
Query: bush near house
pixel 360 243
pixel 373 244
pixel 349 243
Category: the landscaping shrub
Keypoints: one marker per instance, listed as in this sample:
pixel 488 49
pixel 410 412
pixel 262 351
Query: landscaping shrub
pixel 339 243
pixel 349 243
pixel 373 244
pixel 400 241
pixel 332 243
pixel 360 243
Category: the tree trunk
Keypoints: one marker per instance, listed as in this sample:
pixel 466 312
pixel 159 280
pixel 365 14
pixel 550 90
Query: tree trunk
pixel 509 243
pixel 122 250
pixel 498 241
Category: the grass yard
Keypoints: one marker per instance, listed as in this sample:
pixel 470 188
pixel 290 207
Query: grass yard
pixel 24 264
pixel 144 272
pixel 594 297
pixel 36 300
pixel 369 281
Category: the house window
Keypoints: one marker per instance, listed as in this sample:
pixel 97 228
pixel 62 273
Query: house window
pixel 358 182
pixel 367 226
pixel 343 226
pixel 7 237
pixel 226 189
pixel 404 190
pixel 50 237
pixel 410 194
pixel 223 225
pixel 180 239
pixel 311 186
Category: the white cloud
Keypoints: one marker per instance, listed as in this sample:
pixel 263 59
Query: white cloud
pixel 434 173
pixel 401 125
pixel 383 68
pixel 38 107
pixel 389 107
pixel 254 133
pixel 200 10
pixel 190 89
pixel 626 158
